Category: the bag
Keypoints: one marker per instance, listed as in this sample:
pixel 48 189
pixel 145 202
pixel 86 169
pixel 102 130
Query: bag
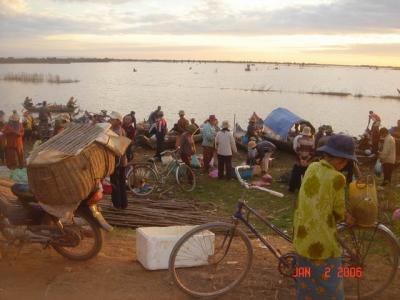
pixel 363 201
pixel 195 162
pixel 378 168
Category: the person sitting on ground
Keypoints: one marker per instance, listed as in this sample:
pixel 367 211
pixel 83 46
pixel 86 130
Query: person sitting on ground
pixel 260 153
pixel 117 178
pixel 154 115
pixel 226 146
pixel 387 156
pixel 193 122
pixel 304 146
pixel 320 205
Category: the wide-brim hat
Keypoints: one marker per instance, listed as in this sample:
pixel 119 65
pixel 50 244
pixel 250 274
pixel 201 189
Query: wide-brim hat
pixel 116 116
pixel 340 145
pixel 225 124
pixel 251 145
pixel 212 118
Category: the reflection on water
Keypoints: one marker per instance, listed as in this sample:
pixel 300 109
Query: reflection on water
pixel 221 89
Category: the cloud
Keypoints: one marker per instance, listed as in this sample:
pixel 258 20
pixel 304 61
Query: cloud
pixel 12 6
pixel 392 49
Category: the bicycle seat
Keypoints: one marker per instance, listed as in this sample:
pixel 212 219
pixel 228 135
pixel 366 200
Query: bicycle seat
pixel 23 192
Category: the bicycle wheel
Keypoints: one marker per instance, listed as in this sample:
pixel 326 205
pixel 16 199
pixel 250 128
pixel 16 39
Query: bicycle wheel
pixel 375 252
pixel 211 259
pixel 185 178
pixel 142 180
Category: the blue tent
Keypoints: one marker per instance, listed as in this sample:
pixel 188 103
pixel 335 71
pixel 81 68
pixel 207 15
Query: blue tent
pixel 281 120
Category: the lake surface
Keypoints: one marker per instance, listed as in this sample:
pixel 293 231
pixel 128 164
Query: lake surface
pixel 222 89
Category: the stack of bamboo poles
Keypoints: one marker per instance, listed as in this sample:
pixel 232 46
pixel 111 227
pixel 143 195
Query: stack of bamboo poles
pixel 148 212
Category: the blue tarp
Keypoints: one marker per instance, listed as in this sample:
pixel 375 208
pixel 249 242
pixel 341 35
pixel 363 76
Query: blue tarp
pixel 281 120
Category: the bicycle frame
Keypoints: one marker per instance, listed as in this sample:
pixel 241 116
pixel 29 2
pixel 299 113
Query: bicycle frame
pixel 166 172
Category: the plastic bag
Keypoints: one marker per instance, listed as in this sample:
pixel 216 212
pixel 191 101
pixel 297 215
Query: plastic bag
pixel 195 162
pixel 19 175
pixel 378 168
pixel 363 201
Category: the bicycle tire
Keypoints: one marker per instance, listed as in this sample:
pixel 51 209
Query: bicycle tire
pixel 198 278
pixel 376 277
pixel 185 178
pixel 142 180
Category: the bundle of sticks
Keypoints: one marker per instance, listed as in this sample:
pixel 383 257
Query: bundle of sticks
pixel 149 212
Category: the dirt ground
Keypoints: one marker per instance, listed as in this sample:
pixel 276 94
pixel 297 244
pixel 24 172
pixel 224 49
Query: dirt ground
pixel 116 274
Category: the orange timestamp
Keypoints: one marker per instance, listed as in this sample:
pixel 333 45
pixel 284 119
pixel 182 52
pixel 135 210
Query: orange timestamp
pixel 342 272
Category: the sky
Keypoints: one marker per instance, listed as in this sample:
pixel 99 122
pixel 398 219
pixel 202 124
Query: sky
pixel 312 31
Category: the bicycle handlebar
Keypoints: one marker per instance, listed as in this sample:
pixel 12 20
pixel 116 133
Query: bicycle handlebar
pixel 170 151
pixel 252 186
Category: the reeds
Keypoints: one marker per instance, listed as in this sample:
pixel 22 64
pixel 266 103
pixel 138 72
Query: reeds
pixel 37 78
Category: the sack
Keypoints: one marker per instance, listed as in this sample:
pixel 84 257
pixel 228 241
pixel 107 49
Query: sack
pixel 378 168
pixel 363 201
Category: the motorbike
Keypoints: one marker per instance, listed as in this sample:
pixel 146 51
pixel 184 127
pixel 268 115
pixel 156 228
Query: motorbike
pixel 24 221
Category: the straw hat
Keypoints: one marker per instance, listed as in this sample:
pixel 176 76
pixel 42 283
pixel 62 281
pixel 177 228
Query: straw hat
pixel 306 131
pixel 181 113
pixel 251 145
pixel 116 116
pixel 225 124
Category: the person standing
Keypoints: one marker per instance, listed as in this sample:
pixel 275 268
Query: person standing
pixel 28 126
pixel 208 144
pixel 44 117
pixel 118 196
pixel 304 146
pixel 226 146
pixel 187 146
pixel 160 132
pixel 260 153
pixel 320 205
pixel 130 131
pixel 387 156
pixel 180 126
pixel 375 135
pixel 14 135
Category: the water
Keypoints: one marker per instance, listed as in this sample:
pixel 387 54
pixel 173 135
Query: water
pixel 215 88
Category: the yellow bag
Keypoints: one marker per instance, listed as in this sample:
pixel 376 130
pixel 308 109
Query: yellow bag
pixel 363 201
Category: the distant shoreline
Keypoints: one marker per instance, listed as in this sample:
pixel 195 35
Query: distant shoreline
pixel 55 60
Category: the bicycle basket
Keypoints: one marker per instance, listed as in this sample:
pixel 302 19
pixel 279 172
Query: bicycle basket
pixel 166 159
pixel 363 201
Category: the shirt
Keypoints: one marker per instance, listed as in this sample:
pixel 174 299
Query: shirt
pixel 388 153
pixel 374 117
pixel 225 143
pixel 208 133
pixel 181 125
pixel 320 205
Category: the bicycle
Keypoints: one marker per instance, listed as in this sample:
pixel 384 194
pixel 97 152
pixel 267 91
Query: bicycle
pixel 145 178
pixel 212 259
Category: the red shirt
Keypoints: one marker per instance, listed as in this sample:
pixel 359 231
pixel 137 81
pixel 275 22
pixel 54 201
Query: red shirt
pixel 374 117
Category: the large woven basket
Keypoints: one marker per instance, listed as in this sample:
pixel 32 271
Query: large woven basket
pixel 72 179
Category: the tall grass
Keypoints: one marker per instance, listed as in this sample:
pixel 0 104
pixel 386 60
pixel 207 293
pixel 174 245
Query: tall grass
pixel 37 78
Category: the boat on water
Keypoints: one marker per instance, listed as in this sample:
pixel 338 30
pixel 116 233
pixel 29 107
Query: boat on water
pixel 52 108
pixel 247 68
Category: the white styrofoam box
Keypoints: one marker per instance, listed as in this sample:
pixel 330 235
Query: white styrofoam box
pixel 154 246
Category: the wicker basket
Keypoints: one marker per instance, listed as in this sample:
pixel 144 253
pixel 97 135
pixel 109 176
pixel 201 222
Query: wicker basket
pixel 72 179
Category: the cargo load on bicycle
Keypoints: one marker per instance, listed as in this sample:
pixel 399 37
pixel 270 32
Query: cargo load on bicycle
pixel 64 170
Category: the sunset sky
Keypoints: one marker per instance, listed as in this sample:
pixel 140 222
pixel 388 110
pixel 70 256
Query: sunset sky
pixel 321 31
